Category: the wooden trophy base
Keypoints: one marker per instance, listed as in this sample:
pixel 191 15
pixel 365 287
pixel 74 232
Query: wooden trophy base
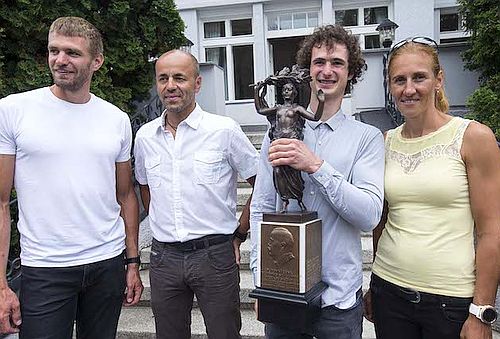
pixel 289 310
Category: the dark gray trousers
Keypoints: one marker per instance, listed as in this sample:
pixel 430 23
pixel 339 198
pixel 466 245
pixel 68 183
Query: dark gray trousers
pixel 211 274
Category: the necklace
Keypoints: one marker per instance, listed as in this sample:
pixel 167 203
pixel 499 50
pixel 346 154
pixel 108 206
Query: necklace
pixel 168 123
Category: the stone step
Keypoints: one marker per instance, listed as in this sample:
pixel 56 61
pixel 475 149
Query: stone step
pixel 256 138
pixel 243 183
pixel 243 195
pixel 138 323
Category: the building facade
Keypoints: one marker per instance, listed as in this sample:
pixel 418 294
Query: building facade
pixel 251 39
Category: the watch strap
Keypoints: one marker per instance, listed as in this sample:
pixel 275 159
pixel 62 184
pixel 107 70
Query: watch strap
pixel 132 260
pixel 475 310
pixel 239 235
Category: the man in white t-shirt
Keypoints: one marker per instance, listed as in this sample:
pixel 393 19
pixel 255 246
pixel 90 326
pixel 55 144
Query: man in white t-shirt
pixel 68 154
pixel 187 163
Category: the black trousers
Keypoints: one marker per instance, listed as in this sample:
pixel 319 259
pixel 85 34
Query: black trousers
pixel 403 313
pixel 53 298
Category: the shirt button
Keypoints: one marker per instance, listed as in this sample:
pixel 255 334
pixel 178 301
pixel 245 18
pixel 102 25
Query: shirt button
pixel 319 142
pixel 312 192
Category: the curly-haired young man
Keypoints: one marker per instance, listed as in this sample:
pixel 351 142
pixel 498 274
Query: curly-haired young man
pixel 342 164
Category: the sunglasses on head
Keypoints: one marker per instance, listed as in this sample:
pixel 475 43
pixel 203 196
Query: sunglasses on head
pixel 419 40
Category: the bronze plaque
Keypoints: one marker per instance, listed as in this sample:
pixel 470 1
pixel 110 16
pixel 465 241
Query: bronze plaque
pixel 280 257
pixel 313 254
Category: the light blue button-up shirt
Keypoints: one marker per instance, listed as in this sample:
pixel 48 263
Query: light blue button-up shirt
pixel 346 191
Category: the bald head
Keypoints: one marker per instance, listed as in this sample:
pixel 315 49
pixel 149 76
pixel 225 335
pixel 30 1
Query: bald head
pixel 178 54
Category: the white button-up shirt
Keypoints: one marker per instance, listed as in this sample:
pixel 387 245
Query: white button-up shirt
pixel 193 178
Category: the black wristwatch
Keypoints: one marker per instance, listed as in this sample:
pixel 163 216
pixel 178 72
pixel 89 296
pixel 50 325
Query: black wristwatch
pixel 133 260
pixel 239 235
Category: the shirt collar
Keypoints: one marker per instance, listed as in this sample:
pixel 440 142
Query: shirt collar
pixel 193 120
pixel 333 122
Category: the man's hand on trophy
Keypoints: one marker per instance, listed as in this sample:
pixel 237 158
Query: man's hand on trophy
pixel 293 153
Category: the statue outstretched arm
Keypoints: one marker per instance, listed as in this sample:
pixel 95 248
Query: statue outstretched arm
pixel 260 91
pixel 321 99
pixel 319 111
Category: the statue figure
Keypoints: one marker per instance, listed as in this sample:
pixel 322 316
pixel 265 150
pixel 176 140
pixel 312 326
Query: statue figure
pixel 287 121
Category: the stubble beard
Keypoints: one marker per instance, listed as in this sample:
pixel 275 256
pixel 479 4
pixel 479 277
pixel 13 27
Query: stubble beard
pixel 75 84
pixel 181 107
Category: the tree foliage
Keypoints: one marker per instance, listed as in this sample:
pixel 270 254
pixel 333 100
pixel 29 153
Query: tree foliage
pixel 133 31
pixel 482 20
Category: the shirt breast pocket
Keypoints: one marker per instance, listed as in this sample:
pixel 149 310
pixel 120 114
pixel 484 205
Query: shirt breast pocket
pixel 208 166
pixel 152 166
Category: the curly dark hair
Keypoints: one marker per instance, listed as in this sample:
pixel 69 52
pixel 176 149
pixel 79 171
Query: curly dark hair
pixel 331 35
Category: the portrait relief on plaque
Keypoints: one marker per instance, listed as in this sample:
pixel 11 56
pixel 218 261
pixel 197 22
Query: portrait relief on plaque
pixel 280 247
pixel 280 257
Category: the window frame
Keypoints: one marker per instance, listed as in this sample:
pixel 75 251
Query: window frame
pixel 457 36
pixel 228 42
pixel 362 30
pixel 278 33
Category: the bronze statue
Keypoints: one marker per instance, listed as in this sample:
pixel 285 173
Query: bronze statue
pixel 287 121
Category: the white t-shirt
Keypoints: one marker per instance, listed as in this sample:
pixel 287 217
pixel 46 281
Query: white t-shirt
pixel 65 176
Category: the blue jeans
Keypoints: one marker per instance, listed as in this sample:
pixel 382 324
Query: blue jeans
pixel 53 298
pixel 403 313
pixel 207 270
pixel 333 323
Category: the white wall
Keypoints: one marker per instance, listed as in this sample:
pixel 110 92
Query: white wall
pixel 190 18
pixel 459 83
pixel 369 92
pixel 414 17
pixel 211 96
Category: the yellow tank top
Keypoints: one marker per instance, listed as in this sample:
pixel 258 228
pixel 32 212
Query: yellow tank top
pixel 428 242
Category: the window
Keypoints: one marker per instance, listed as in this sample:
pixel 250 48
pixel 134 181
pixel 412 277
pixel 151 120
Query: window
pixel 362 22
pixel 217 55
pixel 347 17
pixel 241 27
pixel 312 19
pixel 451 27
pixel 448 22
pixel 243 72
pixel 229 44
pixel 375 15
pixel 300 20
pixel 214 29
pixel 372 41
pixel 286 21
